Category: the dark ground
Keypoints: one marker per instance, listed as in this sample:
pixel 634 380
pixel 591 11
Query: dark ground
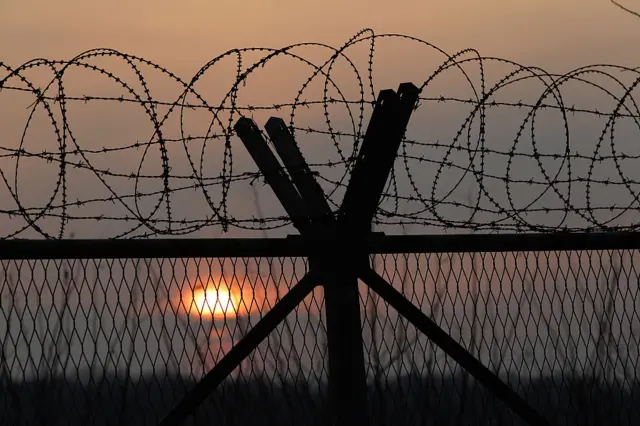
pixel 408 401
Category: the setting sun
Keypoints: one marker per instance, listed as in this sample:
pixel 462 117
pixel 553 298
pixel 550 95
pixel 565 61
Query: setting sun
pixel 216 299
pixel 212 302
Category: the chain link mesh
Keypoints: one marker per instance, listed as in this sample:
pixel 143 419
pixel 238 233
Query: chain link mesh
pixel 560 327
pixel 121 341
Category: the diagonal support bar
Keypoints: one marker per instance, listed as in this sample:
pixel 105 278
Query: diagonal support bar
pixel 451 347
pixel 378 133
pixel 241 350
pixel 377 155
pixel 273 172
pixel 300 173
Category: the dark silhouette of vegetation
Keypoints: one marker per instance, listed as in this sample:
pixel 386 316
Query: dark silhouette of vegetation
pixel 409 400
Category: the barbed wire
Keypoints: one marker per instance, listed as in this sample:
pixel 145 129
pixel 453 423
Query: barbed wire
pixel 529 181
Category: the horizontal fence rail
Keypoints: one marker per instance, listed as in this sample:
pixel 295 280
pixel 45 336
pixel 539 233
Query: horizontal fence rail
pixel 296 245
pixel 554 317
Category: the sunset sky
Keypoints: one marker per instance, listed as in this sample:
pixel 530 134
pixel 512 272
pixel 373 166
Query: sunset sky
pixel 185 34
pixel 182 36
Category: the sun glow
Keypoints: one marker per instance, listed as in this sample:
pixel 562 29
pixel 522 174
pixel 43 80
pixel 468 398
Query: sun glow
pixel 218 297
pixel 211 301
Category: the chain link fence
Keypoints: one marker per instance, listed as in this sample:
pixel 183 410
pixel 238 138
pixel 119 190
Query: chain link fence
pixel 120 341
pixel 560 327
pixel 105 341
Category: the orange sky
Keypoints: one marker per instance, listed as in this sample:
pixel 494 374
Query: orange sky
pixel 186 33
pixel 182 36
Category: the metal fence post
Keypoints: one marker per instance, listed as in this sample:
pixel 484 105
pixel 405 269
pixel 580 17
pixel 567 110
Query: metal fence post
pixel 375 160
pixel 347 375
pixel 307 206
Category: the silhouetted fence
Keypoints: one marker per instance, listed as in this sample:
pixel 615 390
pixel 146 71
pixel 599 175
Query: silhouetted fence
pixel 339 324
pixel 524 288
pixel 116 332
